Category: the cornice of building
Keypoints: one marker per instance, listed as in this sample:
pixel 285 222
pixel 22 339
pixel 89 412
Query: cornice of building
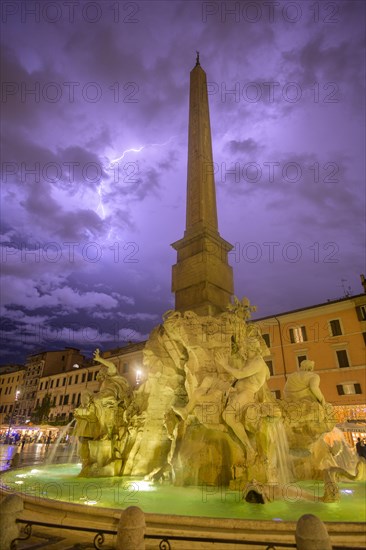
pixel 330 306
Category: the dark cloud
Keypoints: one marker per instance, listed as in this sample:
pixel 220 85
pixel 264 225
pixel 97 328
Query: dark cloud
pixel 85 239
pixel 247 146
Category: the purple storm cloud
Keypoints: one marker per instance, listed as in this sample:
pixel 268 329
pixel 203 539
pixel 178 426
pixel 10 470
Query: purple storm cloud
pixel 94 120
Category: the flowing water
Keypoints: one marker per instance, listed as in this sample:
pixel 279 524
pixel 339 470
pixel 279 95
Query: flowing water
pixel 281 452
pixel 61 451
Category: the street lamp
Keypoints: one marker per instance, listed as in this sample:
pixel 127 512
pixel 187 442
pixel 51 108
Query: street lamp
pixel 138 376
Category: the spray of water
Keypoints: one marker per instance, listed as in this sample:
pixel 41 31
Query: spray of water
pixel 57 448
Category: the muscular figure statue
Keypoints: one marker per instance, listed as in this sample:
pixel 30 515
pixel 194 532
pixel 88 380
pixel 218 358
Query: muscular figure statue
pixel 250 388
pixel 304 384
pixel 113 395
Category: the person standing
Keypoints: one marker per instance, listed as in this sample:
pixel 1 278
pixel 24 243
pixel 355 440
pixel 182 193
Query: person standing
pixel 360 448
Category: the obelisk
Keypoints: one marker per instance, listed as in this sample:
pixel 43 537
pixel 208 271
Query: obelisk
pixel 202 279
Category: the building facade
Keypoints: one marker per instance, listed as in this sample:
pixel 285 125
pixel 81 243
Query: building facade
pixel 333 335
pixel 11 382
pixel 42 364
pixel 64 390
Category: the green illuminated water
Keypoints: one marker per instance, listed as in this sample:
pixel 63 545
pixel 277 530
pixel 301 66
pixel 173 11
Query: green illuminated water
pixel 60 482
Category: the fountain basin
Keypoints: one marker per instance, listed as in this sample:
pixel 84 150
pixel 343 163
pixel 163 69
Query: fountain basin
pixel 198 511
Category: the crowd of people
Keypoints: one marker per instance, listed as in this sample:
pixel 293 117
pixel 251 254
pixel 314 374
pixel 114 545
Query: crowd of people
pixel 21 439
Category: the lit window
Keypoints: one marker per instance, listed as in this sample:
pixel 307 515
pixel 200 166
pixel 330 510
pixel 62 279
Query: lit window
pixel 349 389
pixel 298 334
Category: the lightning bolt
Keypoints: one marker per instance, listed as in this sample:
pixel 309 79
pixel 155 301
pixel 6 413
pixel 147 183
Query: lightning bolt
pixel 101 204
pixel 115 161
pixel 133 150
pixel 100 208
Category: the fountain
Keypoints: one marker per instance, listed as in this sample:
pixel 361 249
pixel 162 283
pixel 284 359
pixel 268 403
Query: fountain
pixel 205 414
pixel 203 437
pixel 204 426
pixel 205 418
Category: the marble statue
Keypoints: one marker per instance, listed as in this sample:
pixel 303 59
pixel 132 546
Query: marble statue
pixel 205 414
pixel 251 372
pixel 101 421
pixel 304 384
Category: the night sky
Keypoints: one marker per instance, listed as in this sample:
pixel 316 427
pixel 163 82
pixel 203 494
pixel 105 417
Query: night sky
pixel 94 157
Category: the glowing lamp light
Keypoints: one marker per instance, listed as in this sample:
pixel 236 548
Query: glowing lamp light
pixel 138 376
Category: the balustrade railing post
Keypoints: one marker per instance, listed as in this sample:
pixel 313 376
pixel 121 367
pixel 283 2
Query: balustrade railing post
pixel 131 529
pixel 311 534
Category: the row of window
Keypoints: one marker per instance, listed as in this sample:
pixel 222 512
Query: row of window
pixel 85 377
pixel 298 334
pixel 341 354
pixel 342 389
pixel 351 388
pixel 63 400
pixel 7 391
pixel 4 408
pixel 10 381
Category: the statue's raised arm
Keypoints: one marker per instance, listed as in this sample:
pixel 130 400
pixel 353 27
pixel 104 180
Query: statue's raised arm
pixel 99 359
